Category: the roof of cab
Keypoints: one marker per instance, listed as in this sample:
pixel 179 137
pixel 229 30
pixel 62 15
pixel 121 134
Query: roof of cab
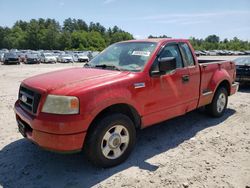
pixel 157 40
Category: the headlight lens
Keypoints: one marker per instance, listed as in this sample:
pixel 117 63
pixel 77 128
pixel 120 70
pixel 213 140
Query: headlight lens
pixel 56 104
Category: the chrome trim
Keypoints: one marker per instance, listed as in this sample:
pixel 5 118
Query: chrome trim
pixel 236 85
pixel 139 85
pixel 207 93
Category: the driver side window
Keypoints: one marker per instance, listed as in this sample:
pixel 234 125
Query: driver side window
pixel 171 50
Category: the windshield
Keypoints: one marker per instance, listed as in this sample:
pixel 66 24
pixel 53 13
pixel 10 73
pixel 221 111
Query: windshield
pixel 242 60
pixel 32 55
pixel 131 56
pixel 48 55
pixel 11 55
pixel 65 55
pixel 81 54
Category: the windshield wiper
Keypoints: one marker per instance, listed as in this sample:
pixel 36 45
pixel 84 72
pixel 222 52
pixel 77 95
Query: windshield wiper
pixel 105 66
pixel 88 65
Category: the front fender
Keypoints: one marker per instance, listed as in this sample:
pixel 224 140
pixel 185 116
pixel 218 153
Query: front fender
pixel 97 101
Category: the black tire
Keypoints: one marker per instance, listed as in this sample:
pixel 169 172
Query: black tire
pixel 213 109
pixel 95 140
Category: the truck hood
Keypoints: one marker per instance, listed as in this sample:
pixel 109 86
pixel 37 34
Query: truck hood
pixel 71 78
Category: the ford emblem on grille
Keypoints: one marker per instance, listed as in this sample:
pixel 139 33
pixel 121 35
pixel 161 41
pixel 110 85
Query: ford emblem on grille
pixel 24 98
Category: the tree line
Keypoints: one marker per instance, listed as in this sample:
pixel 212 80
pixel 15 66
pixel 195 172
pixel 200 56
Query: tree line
pixel 213 42
pixel 48 34
pixel 76 34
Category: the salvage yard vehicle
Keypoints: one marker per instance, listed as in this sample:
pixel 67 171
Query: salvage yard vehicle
pixel 130 85
pixel 31 58
pixel 48 58
pixel 11 58
pixel 81 57
pixel 242 69
pixel 65 58
pixel 1 56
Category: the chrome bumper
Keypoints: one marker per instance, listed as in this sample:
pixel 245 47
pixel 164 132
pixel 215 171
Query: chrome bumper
pixel 234 88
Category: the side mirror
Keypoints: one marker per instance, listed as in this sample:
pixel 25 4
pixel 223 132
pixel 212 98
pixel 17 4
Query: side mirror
pixel 167 64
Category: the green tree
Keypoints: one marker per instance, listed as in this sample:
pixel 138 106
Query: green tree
pixel 120 36
pixel 212 39
pixel 96 41
pixel 97 27
pixel 51 38
pixel 79 37
pixel 34 35
pixel 65 41
pixel 15 38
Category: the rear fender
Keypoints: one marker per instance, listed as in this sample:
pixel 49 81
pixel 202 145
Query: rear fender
pixel 219 76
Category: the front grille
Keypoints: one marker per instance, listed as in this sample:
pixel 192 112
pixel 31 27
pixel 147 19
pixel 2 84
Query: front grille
pixel 13 59
pixel 29 99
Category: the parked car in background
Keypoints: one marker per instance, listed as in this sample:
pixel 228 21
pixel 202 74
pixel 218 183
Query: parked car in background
pixel 81 57
pixel 65 58
pixel 242 69
pixel 1 56
pixel 213 52
pixel 32 58
pixel 11 58
pixel 247 52
pixel 48 58
pixel 4 50
pixel 95 53
pixel 21 56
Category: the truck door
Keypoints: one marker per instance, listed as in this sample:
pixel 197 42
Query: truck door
pixel 193 76
pixel 168 91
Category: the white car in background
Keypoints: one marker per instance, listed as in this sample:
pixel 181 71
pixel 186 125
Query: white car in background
pixel 81 57
pixel 48 58
pixel 65 58
pixel 1 56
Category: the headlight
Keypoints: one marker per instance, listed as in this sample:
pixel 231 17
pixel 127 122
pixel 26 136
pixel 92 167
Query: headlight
pixel 56 104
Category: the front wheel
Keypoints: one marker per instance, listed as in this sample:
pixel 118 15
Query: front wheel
pixel 111 140
pixel 219 103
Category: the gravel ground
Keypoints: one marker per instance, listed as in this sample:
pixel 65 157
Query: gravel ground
pixel 194 150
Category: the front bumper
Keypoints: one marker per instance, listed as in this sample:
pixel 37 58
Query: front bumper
pixel 56 134
pixel 50 60
pixel 11 62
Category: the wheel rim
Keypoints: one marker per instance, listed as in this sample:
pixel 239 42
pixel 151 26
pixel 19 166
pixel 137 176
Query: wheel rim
pixel 221 102
pixel 115 142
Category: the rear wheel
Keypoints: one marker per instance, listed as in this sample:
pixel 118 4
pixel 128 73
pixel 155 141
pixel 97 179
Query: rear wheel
pixel 219 103
pixel 111 140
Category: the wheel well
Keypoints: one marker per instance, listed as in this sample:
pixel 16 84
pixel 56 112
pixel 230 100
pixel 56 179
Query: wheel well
pixel 126 109
pixel 226 85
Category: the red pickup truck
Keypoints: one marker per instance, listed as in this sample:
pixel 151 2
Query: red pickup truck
pixel 130 85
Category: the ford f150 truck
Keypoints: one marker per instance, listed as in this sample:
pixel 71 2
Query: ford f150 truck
pixel 130 85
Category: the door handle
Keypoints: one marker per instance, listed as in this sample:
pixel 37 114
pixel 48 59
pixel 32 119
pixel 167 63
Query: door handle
pixel 185 78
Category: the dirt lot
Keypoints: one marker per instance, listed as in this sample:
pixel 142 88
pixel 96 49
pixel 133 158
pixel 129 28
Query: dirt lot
pixel 194 150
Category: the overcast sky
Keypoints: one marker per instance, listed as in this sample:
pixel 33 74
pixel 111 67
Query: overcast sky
pixel 174 18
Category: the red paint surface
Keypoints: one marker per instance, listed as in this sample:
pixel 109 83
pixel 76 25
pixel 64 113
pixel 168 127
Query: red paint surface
pixel 162 98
